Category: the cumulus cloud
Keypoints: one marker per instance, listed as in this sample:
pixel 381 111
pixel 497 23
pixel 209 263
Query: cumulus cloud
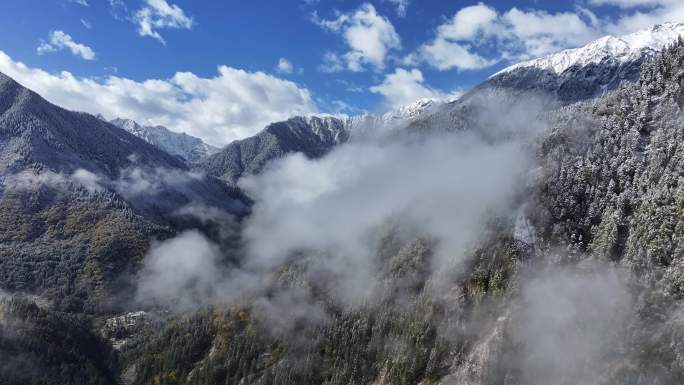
pixel 445 55
pixel 536 32
pixel 158 14
pixel 468 22
pixel 284 66
pixel 641 18
pixel 369 36
pixel 60 40
pixel 231 105
pixel 406 86
pixel 515 34
pixel 479 36
pixel 450 48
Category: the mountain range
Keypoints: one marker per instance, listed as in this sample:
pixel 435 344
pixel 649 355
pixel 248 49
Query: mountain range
pixel 79 198
pixel 583 285
pixel 562 78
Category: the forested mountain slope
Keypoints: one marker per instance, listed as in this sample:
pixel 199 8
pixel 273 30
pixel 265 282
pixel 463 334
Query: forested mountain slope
pixel 79 200
pixel 312 136
pixel 593 295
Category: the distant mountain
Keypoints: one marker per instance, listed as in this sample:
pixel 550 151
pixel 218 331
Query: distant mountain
pixel 581 73
pixel 568 76
pixel 186 146
pixel 312 136
pixel 39 135
pixel 80 200
pixel 391 120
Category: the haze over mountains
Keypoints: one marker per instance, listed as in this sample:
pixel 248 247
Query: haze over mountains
pixel 529 232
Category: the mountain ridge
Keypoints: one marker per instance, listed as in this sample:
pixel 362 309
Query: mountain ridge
pixel 188 147
pixel 631 47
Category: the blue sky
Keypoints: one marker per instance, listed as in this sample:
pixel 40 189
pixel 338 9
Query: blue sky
pixel 211 68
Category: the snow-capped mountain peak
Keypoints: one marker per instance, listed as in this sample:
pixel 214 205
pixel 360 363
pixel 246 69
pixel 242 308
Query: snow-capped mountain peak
pixel 622 49
pixel 410 111
pixel 186 146
pixel 401 116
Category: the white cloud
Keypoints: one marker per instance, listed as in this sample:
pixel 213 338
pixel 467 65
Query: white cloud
pixel 284 66
pixel 332 62
pixel 468 22
pixel 30 180
pixel 181 271
pixel 404 87
pixel 638 19
pixel 312 206
pixel 567 321
pixel 59 40
pixel 515 34
pixel 542 33
pixel 402 6
pixel 159 14
pixel 369 36
pixel 444 55
pixel 81 2
pixel 86 24
pixel 87 179
pixel 231 105
pixel 479 36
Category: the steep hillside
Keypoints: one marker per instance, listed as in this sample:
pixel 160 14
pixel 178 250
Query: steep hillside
pixel 39 346
pixel 36 134
pixel 81 199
